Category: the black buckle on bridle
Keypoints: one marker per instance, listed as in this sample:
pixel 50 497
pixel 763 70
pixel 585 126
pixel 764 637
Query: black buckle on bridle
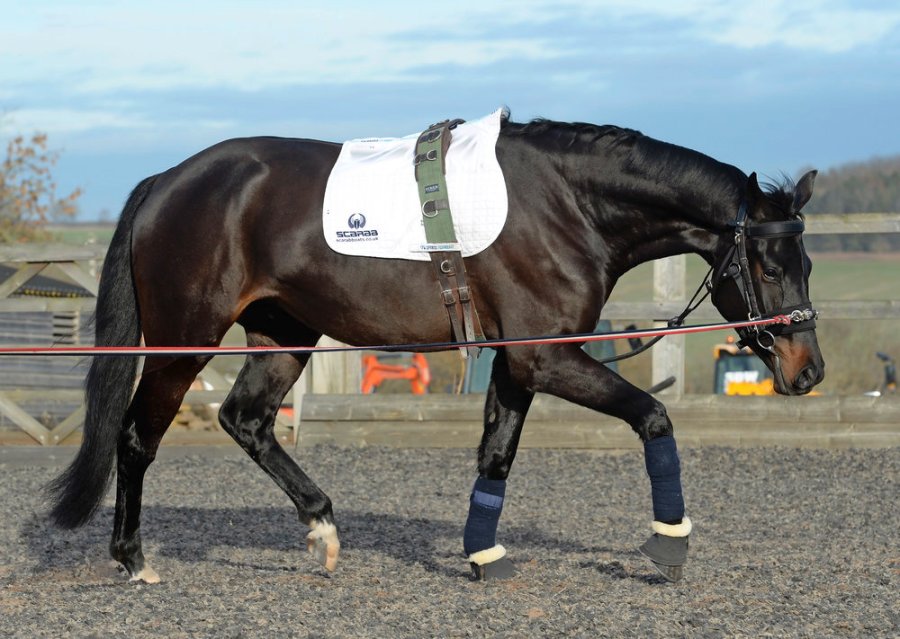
pixel 802 317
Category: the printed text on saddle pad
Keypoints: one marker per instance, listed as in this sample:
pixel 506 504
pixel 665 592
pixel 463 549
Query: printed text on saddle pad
pixel 372 205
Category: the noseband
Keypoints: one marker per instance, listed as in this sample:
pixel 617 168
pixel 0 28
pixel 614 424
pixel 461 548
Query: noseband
pixel 736 266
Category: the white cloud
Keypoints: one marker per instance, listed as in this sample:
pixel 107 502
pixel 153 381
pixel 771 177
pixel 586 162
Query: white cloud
pixel 828 27
pixel 69 120
pixel 74 121
pixel 69 62
pixel 99 48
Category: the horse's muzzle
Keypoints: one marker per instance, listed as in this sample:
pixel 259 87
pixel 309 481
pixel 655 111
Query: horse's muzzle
pixel 806 379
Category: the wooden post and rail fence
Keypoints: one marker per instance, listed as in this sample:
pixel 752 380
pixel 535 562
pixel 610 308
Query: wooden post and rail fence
pixel 328 407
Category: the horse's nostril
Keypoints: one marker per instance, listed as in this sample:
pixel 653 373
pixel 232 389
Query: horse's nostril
pixel 806 379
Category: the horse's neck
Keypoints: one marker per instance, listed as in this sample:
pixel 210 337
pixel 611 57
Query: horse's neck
pixel 659 211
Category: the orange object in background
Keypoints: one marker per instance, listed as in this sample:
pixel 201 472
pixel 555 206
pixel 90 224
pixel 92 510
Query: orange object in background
pixel 763 387
pixel 739 372
pixel 376 372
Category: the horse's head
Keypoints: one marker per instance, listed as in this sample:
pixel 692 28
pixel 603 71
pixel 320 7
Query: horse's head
pixel 762 270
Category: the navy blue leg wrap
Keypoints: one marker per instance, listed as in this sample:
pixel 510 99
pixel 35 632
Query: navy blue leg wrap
pixel 485 506
pixel 664 469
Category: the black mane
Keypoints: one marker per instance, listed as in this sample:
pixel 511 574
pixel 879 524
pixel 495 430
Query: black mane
pixel 583 135
pixel 569 134
pixel 781 195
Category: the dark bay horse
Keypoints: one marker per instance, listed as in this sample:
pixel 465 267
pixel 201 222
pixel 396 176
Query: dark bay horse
pixel 234 234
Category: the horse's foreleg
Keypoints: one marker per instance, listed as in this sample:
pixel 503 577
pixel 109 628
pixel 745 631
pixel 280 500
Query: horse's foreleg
pixel 504 413
pixel 569 373
pixel 153 407
pixel 248 415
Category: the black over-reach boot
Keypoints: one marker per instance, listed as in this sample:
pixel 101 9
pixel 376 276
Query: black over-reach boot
pixel 668 547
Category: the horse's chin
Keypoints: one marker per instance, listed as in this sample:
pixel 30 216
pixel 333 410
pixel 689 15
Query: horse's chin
pixel 794 388
pixel 782 389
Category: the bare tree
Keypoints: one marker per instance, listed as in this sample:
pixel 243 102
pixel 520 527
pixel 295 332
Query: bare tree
pixel 28 197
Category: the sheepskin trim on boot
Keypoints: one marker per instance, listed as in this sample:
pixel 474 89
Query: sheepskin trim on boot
pixel 673 530
pixel 487 555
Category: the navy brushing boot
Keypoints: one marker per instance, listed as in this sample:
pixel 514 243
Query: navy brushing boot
pixel 487 558
pixel 668 547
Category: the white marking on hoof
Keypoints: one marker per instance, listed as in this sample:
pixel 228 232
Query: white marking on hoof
pixel 323 544
pixel 147 575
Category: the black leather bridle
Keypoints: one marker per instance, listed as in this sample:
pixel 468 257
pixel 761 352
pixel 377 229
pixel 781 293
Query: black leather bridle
pixel 736 266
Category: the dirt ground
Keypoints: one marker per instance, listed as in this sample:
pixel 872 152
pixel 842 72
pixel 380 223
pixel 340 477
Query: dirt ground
pixel 787 543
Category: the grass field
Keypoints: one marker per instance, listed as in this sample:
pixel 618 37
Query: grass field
pixel 80 234
pixel 835 276
pixel 848 346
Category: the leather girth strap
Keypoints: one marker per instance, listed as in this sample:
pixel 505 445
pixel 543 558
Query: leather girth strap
pixel 442 245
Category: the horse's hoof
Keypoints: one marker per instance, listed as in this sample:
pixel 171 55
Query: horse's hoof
pixel 667 554
pixel 147 575
pixel 322 543
pixel 672 574
pixel 495 571
pixel 491 564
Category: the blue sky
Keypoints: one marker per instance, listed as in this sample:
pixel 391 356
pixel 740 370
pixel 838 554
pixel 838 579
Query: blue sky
pixel 126 89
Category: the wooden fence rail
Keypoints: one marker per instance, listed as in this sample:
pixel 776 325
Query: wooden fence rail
pixel 454 421
pixel 843 419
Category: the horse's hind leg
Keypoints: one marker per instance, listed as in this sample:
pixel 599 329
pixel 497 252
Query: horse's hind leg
pixel 504 414
pixel 248 415
pixel 155 404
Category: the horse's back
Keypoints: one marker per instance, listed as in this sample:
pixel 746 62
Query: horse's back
pixel 237 187
pixel 239 172
pixel 242 222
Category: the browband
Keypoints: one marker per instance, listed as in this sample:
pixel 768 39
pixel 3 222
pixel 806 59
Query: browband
pixel 768 230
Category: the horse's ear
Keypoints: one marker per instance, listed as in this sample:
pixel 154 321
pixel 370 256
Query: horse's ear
pixel 804 190
pixel 753 193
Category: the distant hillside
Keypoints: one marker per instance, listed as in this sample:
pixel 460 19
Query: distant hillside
pixel 860 187
pixel 80 233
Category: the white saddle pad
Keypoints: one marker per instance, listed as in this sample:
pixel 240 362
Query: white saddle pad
pixel 372 203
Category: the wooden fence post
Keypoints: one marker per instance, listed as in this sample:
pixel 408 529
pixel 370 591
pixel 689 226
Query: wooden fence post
pixel 334 373
pixel 298 393
pixel 668 354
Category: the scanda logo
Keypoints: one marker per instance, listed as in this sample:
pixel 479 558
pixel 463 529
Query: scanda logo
pixel 373 234
pixel 357 222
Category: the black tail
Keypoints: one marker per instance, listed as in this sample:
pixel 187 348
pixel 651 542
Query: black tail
pixel 77 492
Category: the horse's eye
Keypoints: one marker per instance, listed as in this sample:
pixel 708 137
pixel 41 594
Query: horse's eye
pixel 770 274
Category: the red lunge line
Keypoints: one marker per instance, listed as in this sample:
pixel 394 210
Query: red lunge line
pixel 188 351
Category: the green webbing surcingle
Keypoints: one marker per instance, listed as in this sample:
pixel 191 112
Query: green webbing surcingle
pixel 432 183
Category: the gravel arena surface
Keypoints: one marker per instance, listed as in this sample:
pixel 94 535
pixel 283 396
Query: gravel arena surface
pixel 786 543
